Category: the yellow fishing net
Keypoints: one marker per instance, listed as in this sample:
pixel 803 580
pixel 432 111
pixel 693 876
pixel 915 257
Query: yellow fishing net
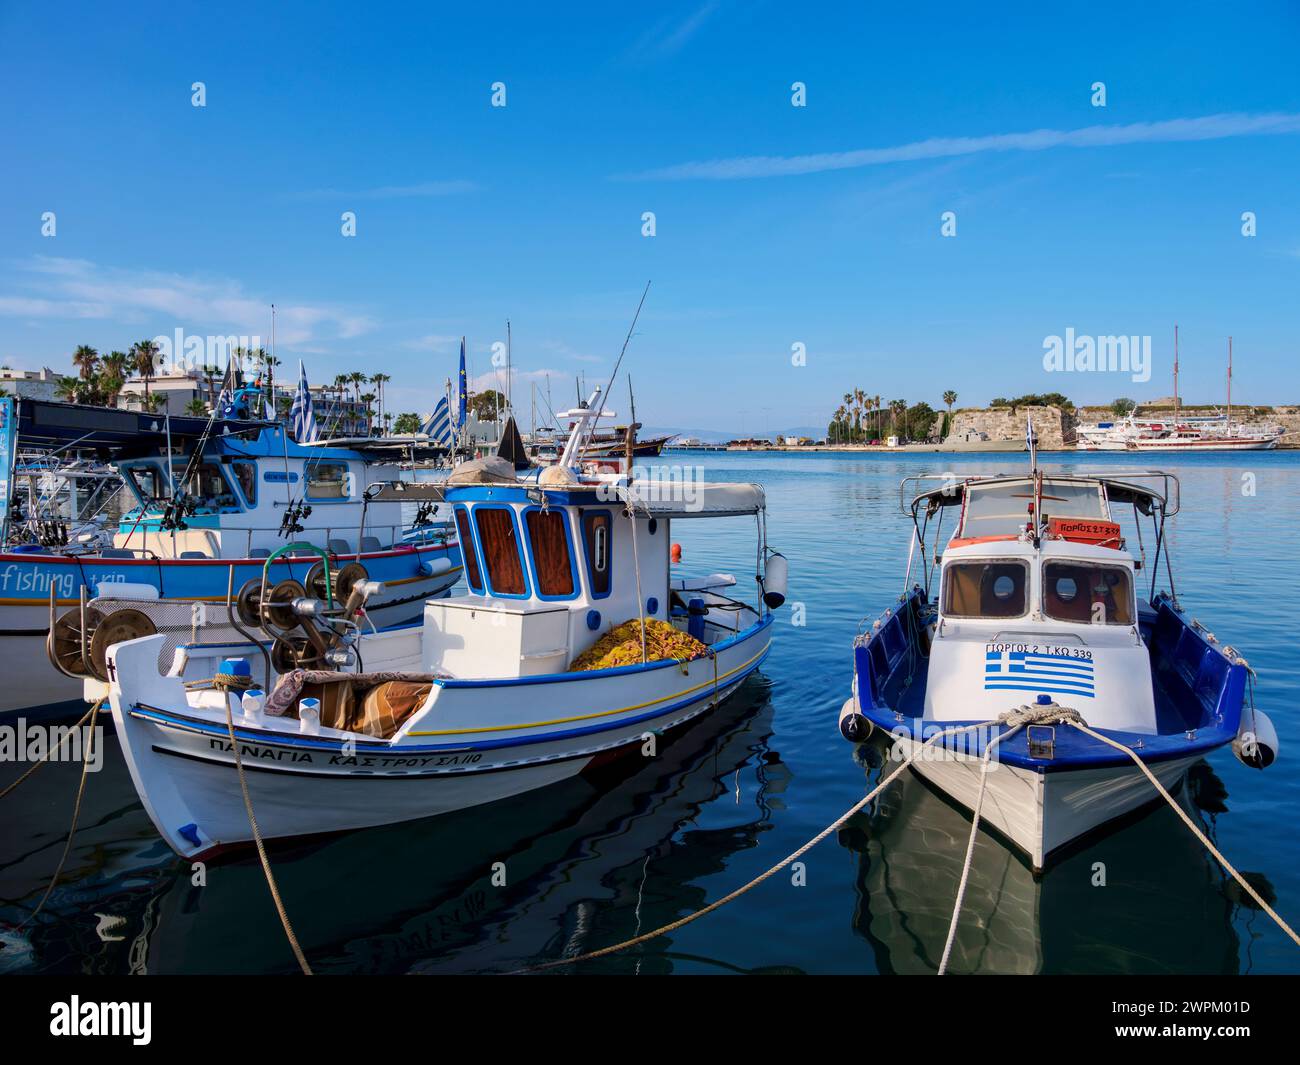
pixel 622 646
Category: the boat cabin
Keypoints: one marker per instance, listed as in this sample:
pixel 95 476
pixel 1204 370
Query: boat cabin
pixel 1037 597
pixel 246 494
pixel 551 569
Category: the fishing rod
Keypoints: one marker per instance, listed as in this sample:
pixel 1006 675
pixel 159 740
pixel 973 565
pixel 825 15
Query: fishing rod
pixel 626 341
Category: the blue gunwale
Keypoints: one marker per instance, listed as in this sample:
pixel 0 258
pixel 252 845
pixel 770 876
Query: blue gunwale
pixel 286 739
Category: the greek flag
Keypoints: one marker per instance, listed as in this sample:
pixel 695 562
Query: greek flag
pixel 304 422
pixel 1035 672
pixel 438 427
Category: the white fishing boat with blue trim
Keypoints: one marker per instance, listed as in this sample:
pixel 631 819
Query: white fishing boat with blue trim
pixel 1030 618
pixel 212 499
pixel 479 703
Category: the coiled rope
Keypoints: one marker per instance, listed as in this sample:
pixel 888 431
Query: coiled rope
pixel 718 904
pixel 226 682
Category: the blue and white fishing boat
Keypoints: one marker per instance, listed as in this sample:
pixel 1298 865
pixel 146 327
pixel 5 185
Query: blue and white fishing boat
pixel 481 702
pixel 212 499
pixel 1030 617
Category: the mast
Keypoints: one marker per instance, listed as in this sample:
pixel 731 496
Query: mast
pixel 1229 382
pixel 1175 379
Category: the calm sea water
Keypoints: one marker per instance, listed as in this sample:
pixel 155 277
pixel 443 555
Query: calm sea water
pixel 596 860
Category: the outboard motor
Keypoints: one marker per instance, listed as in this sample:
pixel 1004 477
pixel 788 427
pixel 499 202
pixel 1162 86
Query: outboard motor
pixel 1256 744
pixel 775 575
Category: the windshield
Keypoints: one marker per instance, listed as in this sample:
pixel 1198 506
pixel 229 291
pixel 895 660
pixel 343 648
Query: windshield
pixel 985 589
pixel 1087 592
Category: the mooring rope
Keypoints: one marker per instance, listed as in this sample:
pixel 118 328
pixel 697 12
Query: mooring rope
pixel 257 836
pixel 718 904
pixel 1027 715
pixel 1015 720
pixel 1192 825
pixel 76 814
pixel 54 750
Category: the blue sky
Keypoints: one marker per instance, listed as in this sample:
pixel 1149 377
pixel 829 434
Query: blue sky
pixel 171 216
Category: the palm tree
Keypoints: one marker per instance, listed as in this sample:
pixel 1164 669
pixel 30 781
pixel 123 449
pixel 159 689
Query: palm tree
pixel 949 398
pixel 379 380
pixel 368 399
pixel 67 389
pixel 152 403
pixel 86 359
pixel 897 409
pixel 196 407
pixel 144 357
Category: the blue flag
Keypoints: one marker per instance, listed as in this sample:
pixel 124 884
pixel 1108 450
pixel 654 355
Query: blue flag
pixel 304 422
pixel 463 389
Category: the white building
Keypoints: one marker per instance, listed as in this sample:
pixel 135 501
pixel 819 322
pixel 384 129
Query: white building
pixel 32 384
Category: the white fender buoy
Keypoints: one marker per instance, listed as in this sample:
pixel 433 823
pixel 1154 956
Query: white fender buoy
pixel 1256 744
pixel 435 567
pixel 775 575
pixel 853 726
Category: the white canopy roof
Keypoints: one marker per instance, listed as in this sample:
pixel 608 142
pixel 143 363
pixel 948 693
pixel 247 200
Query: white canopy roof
pixel 691 499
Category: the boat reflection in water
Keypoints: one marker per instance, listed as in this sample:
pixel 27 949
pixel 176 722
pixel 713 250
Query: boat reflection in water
pixel 587 863
pixel 1166 906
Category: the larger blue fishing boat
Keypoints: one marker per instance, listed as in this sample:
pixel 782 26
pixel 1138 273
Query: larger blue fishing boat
pixel 211 499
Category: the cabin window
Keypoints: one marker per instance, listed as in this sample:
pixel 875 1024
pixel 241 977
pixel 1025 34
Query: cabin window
pixel 205 483
pixel 985 589
pixel 597 542
pixel 1003 509
pixel 498 538
pixel 246 475
pixel 548 536
pixel 472 575
pixel 148 482
pixel 327 480
pixel 1087 593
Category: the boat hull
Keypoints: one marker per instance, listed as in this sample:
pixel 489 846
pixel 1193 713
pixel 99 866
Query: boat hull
pixel 1183 446
pixel 183 765
pixel 1038 811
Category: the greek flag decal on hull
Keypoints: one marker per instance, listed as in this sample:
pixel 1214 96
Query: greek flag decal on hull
pixel 1035 672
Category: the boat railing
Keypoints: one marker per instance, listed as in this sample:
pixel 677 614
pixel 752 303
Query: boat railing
pixel 437 532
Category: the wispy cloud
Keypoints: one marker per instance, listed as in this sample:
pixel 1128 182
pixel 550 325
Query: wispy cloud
pixel 393 192
pixel 1207 127
pixel 160 302
pixel 435 342
pixel 670 35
